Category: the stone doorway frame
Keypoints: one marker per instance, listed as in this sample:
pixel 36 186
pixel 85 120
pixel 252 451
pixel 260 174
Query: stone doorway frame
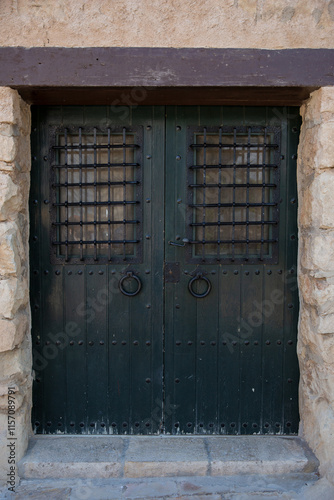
pixel 315 179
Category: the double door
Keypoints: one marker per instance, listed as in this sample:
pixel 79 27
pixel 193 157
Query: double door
pixel 163 270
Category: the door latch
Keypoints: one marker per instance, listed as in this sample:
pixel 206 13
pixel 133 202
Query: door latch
pixel 175 244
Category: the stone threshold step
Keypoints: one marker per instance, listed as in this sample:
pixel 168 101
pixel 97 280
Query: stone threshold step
pixel 163 456
pixel 299 486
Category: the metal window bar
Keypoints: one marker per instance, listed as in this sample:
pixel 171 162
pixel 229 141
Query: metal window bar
pixel 232 146
pixel 260 165
pixel 234 182
pixel 98 165
pixel 109 194
pixel 66 220
pixel 263 191
pixel 247 194
pixel 124 190
pixel 265 198
pixel 89 223
pixel 199 242
pixel 101 146
pixel 94 203
pixel 89 184
pixel 219 185
pixel 61 215
pixel 81 207
pixel 219 191
pixel 236 223
pixel 95 242
pixel 204 193
pixel 233 204
pixel 95 197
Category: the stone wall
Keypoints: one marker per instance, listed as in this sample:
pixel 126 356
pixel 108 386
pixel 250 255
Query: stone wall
pixel 316 275
pixel 316 272
pixel 15 348
pixel 271 24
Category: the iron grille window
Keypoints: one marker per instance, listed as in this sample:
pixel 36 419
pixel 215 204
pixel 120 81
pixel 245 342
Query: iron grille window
pixel 96 194
pixel 233 200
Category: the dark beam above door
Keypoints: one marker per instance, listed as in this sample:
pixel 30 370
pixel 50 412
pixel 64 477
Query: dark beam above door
pixel 90 75
pixel 123 96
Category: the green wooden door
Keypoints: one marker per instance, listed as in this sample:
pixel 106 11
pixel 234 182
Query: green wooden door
pixel 163 270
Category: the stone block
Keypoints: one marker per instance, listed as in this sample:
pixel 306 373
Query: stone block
pixel 23 159
pixel 316 202
pixel 4 402
pixel 9 106
pixel 317 251
pixel 249 454
pixel 318 292
pixel 10 199
pixel 11 249
pixel 7 167
pixel 320 106
pixel 166 457
pixel 325 153
pixel 74 457
pixel 326 99
pixel 9 130
pixel 13 110
pixel 12 332
pixel 307 151
pixel 8 148
pixel 312 111
pixel 24 118
pixel 326 324
pixel 16 364
pixel 323 189
pixel 14 294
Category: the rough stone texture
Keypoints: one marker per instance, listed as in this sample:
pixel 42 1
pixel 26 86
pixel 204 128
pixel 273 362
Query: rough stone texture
pixel 316 276
pixel 164 456
pixel 150 23
pixel 12 332
pixel 11 249
pixel 243 487
pixel 15 343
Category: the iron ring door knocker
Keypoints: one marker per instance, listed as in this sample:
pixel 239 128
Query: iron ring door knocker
pixel 129 275
pixel 199 276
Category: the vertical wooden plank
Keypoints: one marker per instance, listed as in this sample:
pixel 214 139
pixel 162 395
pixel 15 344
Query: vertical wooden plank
pixel 207 386
pixel 180 326
pixel 272 345
pixel 75 314
pixel 119 356
pixel 229 341
pixel 97 348
pixel 55 342
pixel 146 307
pixel 251 348
pixel 49 308
pixel 291 306
pixel 39 363
pixel 170 303
pixel 157 209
